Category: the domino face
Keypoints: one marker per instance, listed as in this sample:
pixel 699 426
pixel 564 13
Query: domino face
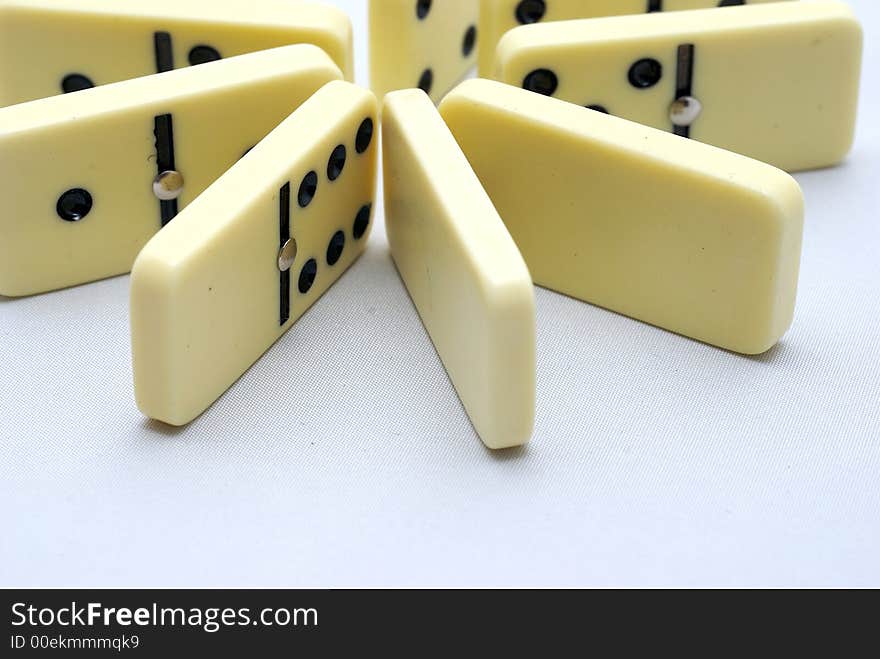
pixel 499 16
pixel 426 44
pixel 679 234
pixel 776 82
pixel 88 178
pixel 213 291
pixel 49 47
pixel 462 269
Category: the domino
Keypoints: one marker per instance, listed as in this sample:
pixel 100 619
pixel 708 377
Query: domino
pixel 213 291
pixel 88 178
pixel 49 47
pixel 420 43
pixel 675 233
pixel 776 82
pixel 497 17
pixel 461 268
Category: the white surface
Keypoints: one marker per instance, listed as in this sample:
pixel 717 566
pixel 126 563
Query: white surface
pixel 656 460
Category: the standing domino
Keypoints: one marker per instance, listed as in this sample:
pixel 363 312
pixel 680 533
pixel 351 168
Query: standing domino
pixel 462 269
pixel 421 43
pixel 776 82
pixel 676 233
pixel 88 178
pixel 499 16
pixel 48 47
pixel 213 291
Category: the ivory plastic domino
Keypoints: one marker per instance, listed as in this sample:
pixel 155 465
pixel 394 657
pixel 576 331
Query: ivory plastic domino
pixel 499 16
pixel 88 178
pixel 422 44
pixel 462 269
pixel 216 288
pixel 777 82
pixel 49 47
pixel 679 234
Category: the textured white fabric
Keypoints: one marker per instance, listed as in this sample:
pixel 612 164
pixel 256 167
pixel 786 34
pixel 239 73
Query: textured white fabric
pixel 344 458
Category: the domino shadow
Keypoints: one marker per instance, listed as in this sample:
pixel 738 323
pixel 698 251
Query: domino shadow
pixel 161 430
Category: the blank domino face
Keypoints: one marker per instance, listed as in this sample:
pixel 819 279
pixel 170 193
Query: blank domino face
pixel 679 234
pixel 776 82
pixel 499 16
pixel 428 44
pixel 88 178
pixel 213 291
pixel 462 269
pixel 48 47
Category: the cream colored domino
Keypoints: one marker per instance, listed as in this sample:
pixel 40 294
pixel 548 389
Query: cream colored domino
pixel 420 43
pixel 679 234
pixel 497 17
pixel 215 289
pixel 462 269
pixel 51 46
pixel 777 82
pixel 87 178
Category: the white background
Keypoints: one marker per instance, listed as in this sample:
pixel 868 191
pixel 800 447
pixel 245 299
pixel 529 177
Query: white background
pixel 656 460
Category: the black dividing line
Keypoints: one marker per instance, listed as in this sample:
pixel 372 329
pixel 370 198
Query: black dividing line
pixel 164 52
pixel 655 5
pixel 164 132
pixel 284 234
pixel 684 81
